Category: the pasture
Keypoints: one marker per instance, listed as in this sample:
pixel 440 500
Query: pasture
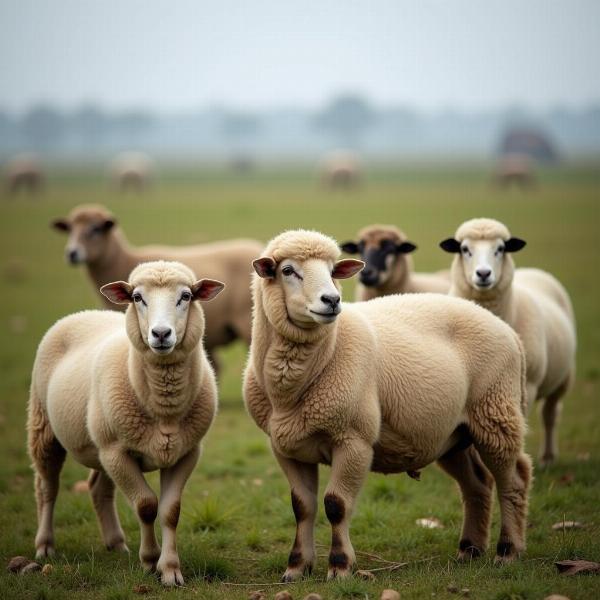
pixel 237 524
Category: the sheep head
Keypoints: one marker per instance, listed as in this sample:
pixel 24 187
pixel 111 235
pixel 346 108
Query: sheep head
pixel 89 227
pixel 300 272
pixel 384 249
pixel 162 315
pixel 483 260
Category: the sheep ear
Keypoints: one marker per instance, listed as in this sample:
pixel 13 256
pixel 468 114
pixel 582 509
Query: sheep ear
pixel 118 292
pixel 405 248
pixel 207 289
pixel 346 268
pixel 514 244
pixel 450 245
pixel 349 247
pixel 61 225
pixel 265 267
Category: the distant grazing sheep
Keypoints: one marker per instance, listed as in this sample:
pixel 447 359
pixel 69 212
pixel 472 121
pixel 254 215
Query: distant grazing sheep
pixel 531 301
pixel 125 394
pixel 132 171
pixel 96 241
pixel 389 385
pixel 24 173
pixel 385 250
pixel 341 170
pixel 514 169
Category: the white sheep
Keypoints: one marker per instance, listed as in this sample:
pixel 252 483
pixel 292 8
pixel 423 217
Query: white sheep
pixel 385 250
pixel 96 240
pixel 388 385
pixel 125 394
pixel 24 172
pixel 531 301
pixel 341 170
pixel 132 171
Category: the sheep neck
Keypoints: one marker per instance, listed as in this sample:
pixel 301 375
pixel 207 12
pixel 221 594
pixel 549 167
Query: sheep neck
pixel 167 387
pixel 399 280
pixel 116 262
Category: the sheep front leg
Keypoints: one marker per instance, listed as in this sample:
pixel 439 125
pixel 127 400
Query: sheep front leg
pixel 351 462
pixel 126 473
pixel 172 482
pixel 304 484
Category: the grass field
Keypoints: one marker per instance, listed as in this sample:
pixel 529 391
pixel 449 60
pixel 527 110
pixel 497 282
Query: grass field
pixel 237 524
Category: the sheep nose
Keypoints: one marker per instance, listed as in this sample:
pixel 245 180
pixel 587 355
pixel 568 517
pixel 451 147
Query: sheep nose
pixel 72 256
pixel 331 299
pixel 161 333
pixel 483 274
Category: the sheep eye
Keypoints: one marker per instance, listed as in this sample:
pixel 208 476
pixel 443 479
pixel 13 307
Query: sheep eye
pixel 287 271
pixel 186 297
pixel 465 250
pixel 137 297
pixel 500 250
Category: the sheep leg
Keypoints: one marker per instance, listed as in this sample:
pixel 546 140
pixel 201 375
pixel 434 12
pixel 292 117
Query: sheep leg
pixel 513 478
pixel 351 462
pixel 126 473
pixel 476 485
pixel 551 410
pixel 102 491
pixel 304 485
pixel 172 482
pixel 48 457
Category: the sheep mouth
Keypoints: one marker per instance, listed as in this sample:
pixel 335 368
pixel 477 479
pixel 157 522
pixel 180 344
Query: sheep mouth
pixel 483 285
pixel 328 315
pixel 162 348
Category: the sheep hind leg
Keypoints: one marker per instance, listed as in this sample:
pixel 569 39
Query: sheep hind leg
pixel 102 491
pixel 48 457
pixel 476 485
pixel 551 410
pixel 304 484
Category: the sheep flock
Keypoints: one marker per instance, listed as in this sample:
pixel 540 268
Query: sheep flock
pixel 422 368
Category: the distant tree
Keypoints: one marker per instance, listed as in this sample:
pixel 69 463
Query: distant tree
pixel 133 124
pixel 90 124
pixel 43 126
pixel 346 117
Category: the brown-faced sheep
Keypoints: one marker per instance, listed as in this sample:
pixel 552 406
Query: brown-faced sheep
pixel 388 385
pixel 132 171
pixel 531 301
pixel 385 250
pixel 96 241
pixel 126 394
pixel 24 173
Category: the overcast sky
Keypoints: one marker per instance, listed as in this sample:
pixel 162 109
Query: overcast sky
pixel 186 54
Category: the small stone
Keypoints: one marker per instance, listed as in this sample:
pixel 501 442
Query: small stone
pixel 567 525
pixel 257 595
pixel 81 487
pixel 47 569
pixel 285 595
pixel 556 597
pixel 466 592
pixel 453 589
pixel 257 482
pixel 142 588
pixel 430 523
pixel 390 595
pixel 366 575
pixel 313 596
pixel 17 563
pixel 31 567
pixel 582 457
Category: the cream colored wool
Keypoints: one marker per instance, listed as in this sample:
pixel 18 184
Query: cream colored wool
pixel 402 278
pixel 109 257
pixel 536 305
pixel 100 393
pixel 385 387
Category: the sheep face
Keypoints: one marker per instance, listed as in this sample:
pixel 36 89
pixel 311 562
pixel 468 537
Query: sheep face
pixel 89 232
pixel 161 305
pixel 483 261
pixel 382 254
pixel 309 288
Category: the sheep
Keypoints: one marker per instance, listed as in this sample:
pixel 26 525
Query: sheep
pixel 132 171
pixel 531 301
pixel 514 168
pixel 126 394
pixel 388 385
pixel 24 172
pixel 385 250
pixel 341 170
pixel 97 241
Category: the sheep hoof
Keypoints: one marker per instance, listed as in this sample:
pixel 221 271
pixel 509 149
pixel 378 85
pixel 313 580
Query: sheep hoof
pixel 292 575
pixel 44 550
pixel 338 573
pixel 118 547
pixel 547 460
pixel 171 576
pixel 468 551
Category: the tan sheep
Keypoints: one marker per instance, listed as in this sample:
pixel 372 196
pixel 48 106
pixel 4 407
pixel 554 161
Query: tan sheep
pixel 385 250
pixel 341 170
pixel 24 172
pixel 132 171
pixel 388 385
pixel 531 301
pixel 125 394
pixel 96 240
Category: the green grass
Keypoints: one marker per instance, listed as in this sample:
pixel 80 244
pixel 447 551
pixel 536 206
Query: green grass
pixel 237 524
